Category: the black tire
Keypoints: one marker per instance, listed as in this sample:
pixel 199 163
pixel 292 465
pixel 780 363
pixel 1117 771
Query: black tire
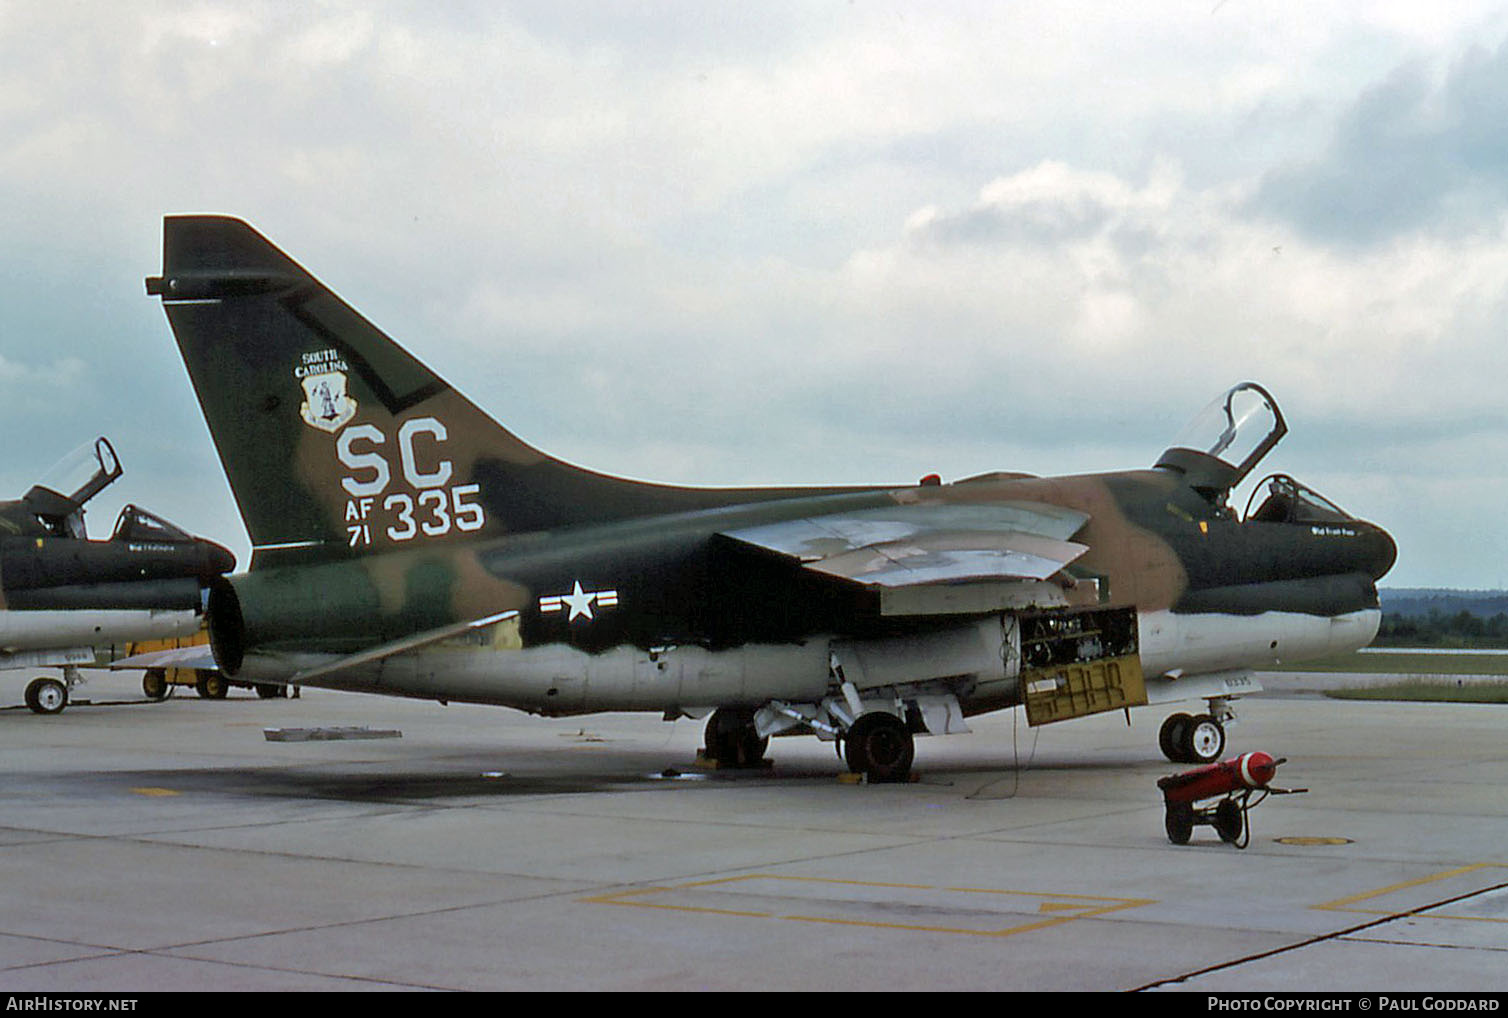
pixel 211 685
pixel 731 739
pixel 1229 821
pixel 1203 740
pixel 154 684
pixel 880 747
pixel 270 690
pixel 1171 736
pixel 46 696
pixel 1179 822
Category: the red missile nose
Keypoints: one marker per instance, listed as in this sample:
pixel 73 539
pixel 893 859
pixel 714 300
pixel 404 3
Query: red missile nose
pixel 1256 769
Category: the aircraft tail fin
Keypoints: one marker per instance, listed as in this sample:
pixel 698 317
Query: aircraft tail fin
pixel 337 442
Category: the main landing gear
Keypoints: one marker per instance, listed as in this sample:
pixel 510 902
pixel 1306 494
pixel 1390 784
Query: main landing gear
pixel 878 745
pixel 732 741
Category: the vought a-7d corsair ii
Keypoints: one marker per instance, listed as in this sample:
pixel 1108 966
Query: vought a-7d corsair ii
pixel 63 595
pixel 406 543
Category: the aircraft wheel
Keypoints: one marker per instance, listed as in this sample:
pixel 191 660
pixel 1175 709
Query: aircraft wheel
pixel 46 696
pixel 154 684
pixel 211 685
pixel 1203 740
pixel 270 690
pixel 1229 821
pixel 732 740
pixel 1170 737
pixel 880 747
pixel 1179 822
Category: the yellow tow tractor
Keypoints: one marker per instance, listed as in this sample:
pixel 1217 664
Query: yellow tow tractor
pixel 210 683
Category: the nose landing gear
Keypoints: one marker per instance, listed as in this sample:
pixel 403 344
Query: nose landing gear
pixel 1196 738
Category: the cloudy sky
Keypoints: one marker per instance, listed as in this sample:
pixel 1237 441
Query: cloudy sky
pixel 776 242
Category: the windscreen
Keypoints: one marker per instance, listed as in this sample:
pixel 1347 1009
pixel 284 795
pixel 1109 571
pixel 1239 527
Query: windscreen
pixel 136 524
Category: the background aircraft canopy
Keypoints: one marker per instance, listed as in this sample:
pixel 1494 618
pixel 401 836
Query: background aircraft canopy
pixel 1220 447
pixel 58 499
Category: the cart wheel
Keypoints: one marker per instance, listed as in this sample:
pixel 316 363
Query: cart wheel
pixel 46 696
pixel 1229 821
pixel 211 685
pixel 154 684
pixel 1179 822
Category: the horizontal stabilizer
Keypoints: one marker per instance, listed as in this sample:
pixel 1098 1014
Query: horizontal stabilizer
pixel 399 646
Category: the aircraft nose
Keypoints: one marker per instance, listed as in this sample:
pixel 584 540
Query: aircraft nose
pixel 217 558
pixel 1381 551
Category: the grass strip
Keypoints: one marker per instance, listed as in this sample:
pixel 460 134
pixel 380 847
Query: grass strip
pixel 1425 690
pixel 1422 662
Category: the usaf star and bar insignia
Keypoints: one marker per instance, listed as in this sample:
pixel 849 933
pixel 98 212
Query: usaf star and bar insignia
pixel 578 603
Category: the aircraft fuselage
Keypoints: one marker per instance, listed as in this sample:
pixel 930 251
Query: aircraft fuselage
pixel 664 614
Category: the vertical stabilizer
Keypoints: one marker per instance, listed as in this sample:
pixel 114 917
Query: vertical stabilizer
pixel 338 442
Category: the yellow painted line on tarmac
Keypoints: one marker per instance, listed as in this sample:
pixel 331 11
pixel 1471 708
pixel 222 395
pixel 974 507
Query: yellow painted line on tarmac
pixel 1346 904
pixel 156 792
pixel 1058 908
pixel 1307 842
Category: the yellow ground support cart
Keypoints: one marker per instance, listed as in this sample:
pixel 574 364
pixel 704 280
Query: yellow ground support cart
pixel 209 683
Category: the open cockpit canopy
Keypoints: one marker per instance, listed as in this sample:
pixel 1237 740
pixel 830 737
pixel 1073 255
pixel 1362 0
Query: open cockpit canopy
pixel 1221 446
pixel 58 499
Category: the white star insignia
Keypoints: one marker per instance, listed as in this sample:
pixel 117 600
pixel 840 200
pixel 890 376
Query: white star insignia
pixel 579 602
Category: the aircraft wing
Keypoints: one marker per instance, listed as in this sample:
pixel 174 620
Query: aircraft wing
pixel 914 545
pixel 197 656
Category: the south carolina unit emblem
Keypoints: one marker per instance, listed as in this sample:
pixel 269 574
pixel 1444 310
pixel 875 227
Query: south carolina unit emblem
pixel 327 405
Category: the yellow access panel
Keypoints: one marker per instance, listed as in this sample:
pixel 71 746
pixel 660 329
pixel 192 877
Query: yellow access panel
pixel 1060 692
pixel 1078 661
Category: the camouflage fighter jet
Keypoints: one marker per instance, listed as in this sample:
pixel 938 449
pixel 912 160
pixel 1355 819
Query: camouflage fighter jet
pixel 406 543
pixel 62 595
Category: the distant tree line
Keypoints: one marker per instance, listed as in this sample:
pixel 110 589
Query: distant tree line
pixel 1443 629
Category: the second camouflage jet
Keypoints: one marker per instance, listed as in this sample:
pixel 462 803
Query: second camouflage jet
pixel 405 543
pixel 63 596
